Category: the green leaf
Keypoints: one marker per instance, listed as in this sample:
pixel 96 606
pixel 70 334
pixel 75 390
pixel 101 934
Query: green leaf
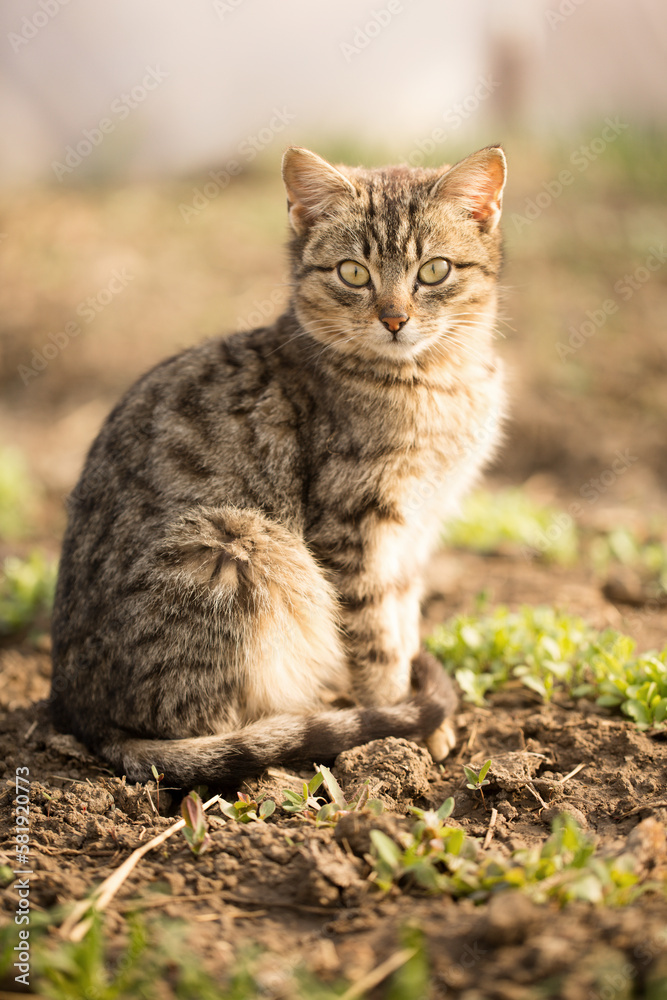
pixel 660 711
pixel 267 808
pixel 455 839
pixel 483 773
pixel 637 711
pixel 609 700
pixel 411 981
pixel 446 809
pixel 472 685
pixel 334 790
pixel 386 849
pixel 324 814
pixel 227 808
pixel 292 797
pixel 471 775
pixel 587 888
pixel 535 684
pixel 471 637
pixel 550 646
pixel 294 807
pixel 315 782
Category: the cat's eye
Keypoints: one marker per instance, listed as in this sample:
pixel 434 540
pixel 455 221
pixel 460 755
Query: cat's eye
pixel 353 274
pixel 434 271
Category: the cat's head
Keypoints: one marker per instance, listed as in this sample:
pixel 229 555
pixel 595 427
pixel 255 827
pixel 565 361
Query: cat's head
pixel 397 263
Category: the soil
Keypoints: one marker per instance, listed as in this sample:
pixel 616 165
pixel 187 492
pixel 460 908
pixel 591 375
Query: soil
pixel 303 892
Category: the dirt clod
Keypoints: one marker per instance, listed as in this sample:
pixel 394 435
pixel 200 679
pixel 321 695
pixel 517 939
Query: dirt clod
pixel 508 919
pixel 396 770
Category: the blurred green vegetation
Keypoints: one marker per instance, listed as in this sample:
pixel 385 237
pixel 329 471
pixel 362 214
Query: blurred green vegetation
pixel 157 962
pixel 27 588
pixel 17 495
pixel 509 520
pixel 27 584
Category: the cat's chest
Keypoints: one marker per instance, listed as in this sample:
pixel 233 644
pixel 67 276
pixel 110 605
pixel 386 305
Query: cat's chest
pixel 382 488
pixel 405 456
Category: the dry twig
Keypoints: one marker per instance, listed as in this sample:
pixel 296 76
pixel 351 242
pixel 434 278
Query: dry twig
pixel 375 976
pixel 492 825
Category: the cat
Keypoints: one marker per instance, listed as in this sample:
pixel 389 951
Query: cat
pixel 242 568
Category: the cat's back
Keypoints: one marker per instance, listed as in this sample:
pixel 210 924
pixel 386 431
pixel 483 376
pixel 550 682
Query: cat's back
pixel 218 423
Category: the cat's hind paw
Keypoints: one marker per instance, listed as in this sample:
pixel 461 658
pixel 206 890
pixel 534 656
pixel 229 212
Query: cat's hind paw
pixel 442 741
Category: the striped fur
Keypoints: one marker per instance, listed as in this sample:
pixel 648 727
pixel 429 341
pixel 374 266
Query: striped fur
pixel 245 546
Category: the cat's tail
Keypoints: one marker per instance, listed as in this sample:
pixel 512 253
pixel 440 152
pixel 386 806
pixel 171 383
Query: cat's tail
pixel 287 739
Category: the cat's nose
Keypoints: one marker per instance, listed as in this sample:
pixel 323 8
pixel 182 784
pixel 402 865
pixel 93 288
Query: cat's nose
pixel 393 320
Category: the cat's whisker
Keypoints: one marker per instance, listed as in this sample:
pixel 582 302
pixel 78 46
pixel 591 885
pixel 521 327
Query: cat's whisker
pixel 478 326
pixel 463 347
pixel 301 333
pixel 338 343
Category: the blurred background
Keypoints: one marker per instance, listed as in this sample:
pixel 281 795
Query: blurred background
pixel 141 210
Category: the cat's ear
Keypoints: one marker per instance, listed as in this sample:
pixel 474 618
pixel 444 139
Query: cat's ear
pixel 477 183
pixel 313 186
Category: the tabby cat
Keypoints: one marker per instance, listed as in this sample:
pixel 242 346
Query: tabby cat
pixel 241 573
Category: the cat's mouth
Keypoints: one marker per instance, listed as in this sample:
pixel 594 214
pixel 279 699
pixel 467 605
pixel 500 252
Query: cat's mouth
pixel 401 343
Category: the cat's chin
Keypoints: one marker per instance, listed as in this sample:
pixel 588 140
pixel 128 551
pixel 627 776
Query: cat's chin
pixel 400 349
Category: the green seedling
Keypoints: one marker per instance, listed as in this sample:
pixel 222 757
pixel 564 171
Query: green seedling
pixel 158 779
pixel 443 859
pixel 49 799
pixel 476 781
pixel 247 810
pixel 339 806
pixel 195 829
pixel 549 651
pixel 328 812
pixel 420 859
pixel 299 802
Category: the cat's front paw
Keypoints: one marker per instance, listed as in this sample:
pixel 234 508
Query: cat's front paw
pixel 442 741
